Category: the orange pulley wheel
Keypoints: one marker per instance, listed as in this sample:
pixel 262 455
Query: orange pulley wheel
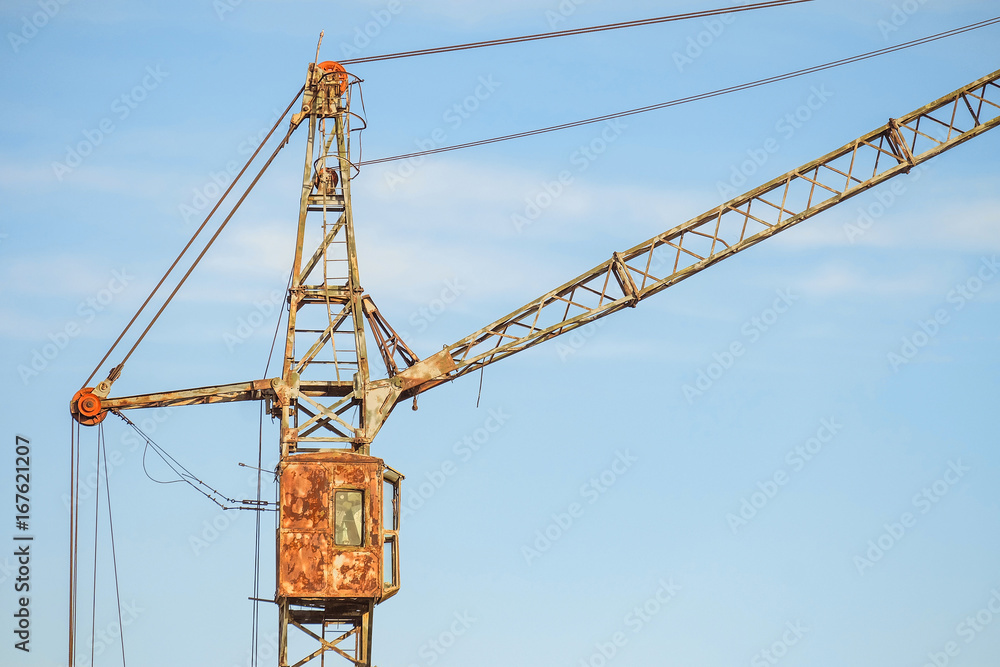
pixel 339 72
pixel 86 407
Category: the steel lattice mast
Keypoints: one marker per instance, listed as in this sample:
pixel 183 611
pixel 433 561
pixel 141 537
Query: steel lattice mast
pixel 327 580
pixel 325 324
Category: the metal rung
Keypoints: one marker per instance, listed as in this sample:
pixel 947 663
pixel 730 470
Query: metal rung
pixel 316 331
pixel 322 439
pixel 338 363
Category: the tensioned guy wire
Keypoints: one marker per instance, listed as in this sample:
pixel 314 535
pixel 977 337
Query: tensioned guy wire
pixel 445 49
pixel 255 620
pixel 543 130
pixel 574 31
pixel 692 98
pixel 191 241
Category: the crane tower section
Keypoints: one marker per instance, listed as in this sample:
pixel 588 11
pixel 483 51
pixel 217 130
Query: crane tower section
pixel 325 341
pixel 337 551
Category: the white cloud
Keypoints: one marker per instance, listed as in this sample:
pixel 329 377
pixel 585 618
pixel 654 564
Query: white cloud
pixel 455 218
pixel 840 278
pixel 61 275
pixel 261 250
pixel 23 177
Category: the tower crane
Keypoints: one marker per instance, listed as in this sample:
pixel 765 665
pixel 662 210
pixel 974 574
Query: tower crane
pixel 337 547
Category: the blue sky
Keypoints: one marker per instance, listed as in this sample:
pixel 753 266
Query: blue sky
pixel 840 448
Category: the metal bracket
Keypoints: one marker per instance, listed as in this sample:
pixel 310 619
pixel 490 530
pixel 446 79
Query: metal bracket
pixel 624 278
pixel 899 146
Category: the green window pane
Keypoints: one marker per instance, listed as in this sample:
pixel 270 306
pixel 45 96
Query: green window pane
pixel 348 518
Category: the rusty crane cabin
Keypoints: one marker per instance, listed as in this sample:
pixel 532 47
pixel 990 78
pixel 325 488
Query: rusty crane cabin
pixel 336 536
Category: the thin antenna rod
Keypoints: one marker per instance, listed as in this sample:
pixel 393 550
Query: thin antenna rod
pixel 318 44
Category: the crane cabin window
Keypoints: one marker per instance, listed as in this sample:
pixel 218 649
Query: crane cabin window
pixel 348 518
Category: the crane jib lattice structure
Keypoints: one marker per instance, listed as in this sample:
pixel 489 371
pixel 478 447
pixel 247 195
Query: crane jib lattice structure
pixel 337 554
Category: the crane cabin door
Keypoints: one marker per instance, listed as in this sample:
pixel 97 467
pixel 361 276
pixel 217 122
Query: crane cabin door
pixel 330 533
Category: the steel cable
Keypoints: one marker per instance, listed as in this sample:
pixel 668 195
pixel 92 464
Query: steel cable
pixel 195 236
pixel 97 512
pixel 573 31
pixel 255 620
pixel 692 98
pixel 185 475
pixel 74 466
pixel 212 240
pixel 111 531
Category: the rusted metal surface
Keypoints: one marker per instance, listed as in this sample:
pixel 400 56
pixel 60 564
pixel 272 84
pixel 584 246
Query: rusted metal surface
pixel 243 391
pixel 436 365
pixel 390 552
pixel 390 344
pixel 310 563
